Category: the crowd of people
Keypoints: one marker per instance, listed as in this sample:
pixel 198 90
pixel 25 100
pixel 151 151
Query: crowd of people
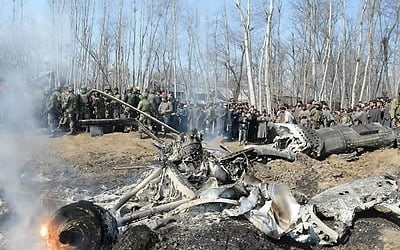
pixel 235 120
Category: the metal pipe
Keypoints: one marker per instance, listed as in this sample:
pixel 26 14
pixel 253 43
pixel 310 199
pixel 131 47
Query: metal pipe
pixel 137 110
pixel 141 185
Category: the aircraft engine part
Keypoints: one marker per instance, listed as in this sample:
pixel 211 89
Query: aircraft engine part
pixel 82 226
pixel 333 140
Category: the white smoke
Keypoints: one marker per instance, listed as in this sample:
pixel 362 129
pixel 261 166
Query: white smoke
pixel 22 54
pixel 19 146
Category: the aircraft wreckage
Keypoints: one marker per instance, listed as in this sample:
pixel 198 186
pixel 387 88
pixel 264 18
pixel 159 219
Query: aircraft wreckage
pixel 192 174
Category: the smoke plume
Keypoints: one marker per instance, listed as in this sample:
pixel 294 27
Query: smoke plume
pixel 21 101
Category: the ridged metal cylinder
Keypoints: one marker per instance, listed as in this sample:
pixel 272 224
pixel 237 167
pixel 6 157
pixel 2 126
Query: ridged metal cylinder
pixel 343 139
pixel 82 225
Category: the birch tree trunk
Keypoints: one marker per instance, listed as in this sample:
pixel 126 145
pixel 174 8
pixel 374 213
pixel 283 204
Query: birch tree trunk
pixel 313 47
pixel 327 56
pixel 358 56
pixel 267 58
pixel 344 52
pixel 371 31
pixel 245 20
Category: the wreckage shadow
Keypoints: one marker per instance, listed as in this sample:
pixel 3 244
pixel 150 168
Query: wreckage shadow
pixel 288 243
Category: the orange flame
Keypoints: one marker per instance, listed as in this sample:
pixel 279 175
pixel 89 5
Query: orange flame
pixel 47 232
pixel 44 231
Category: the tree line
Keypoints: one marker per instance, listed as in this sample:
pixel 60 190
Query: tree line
pixel 339 51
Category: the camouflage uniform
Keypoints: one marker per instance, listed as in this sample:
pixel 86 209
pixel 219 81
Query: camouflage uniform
pixel 54 110
pixel 395 118
pixel 133 99
pixel 316 117
pixel 152 98
pixel 107 103
pixel 85 105
pixel 116 106
pixel 70 107
pixel 145 106
pixel 99 109
pixel 165 110
pixel 346 119
pixel 395 112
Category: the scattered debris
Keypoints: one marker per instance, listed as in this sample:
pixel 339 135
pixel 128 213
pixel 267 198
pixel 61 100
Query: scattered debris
pixel 192 175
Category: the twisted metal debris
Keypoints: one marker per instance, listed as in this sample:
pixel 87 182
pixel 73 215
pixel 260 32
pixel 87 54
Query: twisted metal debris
pixel 192 174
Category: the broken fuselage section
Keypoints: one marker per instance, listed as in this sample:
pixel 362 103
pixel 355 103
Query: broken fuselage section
pixel 323 142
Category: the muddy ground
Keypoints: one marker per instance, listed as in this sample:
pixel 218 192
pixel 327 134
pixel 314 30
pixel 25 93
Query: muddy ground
pixel 70 168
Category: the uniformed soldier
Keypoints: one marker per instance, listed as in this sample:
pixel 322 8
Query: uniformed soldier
pixel 99 109
pixel 70 108
pixel 345 118
pixel 316 116
pixel 152 98
pixel 165 109
pixel 107 103
pixel 54 110
pixel 85 104
pixel 116 106
pixel 395 111
pixel 395 117
pixel 145 106
pixel 220 114
pixel 132 98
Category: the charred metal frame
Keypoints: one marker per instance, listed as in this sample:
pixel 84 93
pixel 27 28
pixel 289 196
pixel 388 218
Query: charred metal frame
pixel 191 175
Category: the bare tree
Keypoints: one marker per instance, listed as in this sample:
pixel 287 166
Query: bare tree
pixel 245 19
pixel 267 57
pixel 358 56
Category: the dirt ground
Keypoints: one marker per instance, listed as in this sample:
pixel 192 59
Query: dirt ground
pixel 97 157
pixel 88 165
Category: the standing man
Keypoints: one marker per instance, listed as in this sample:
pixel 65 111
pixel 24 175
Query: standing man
pixel 99 108
pixel 195 113
pixel 395 112
pixel 71 107
pixel 316 116
pixel 152 98
pixel 220 115
pixel 328 117
pixel 182 114
pixel 54 110
pixel 374 114
pixel 116 106
pixel 85 104
pixel 145 106
pixel 107 103
pixel 243 129
pixel 165 110
pixel 133 99
pixel 304 116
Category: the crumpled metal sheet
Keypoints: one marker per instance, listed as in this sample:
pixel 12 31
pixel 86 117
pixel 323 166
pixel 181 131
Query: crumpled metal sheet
pixel 246 204
pixel 270 208
pixel 265 150
pixel 273 209
pixel 344 201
